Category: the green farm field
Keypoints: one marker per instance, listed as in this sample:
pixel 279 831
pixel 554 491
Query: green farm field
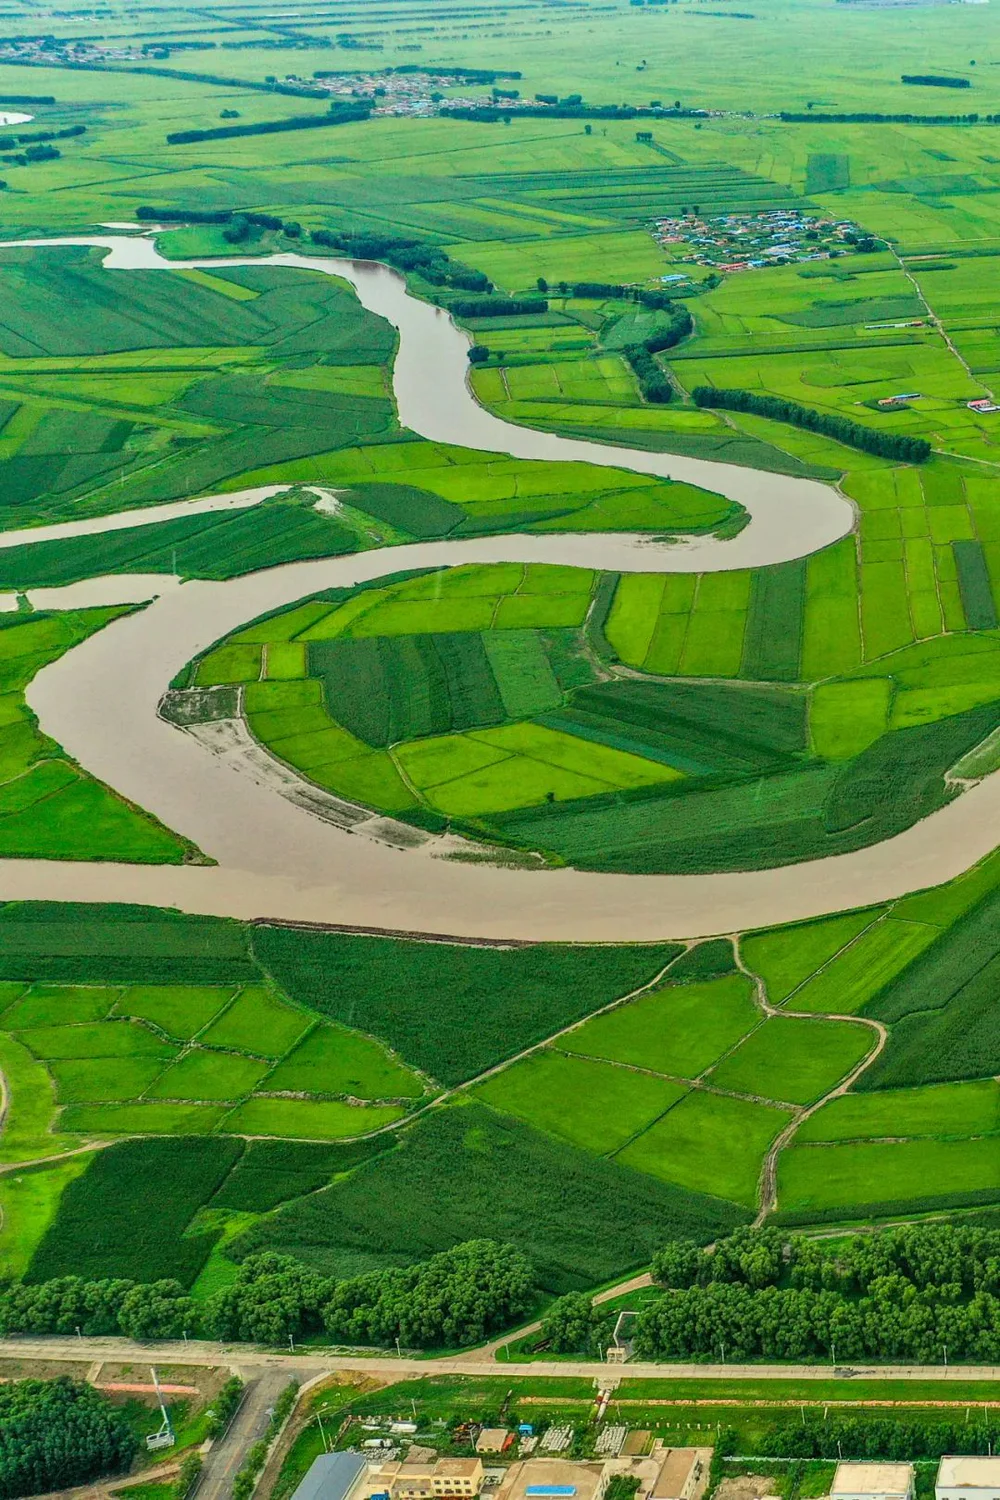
pixel 363 1100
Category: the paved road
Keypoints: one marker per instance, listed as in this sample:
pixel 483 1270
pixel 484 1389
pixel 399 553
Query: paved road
pixel 227 1456
pixel 249 1358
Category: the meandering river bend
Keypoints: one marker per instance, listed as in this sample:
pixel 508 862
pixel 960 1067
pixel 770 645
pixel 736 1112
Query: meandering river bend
pixel 277 860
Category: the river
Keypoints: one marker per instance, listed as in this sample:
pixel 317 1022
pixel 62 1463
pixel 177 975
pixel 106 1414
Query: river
pixel 275 859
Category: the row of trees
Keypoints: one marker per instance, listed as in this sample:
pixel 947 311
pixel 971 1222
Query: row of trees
pixel 615 289
pixel 959 1260
pixel 653 383
pixel 339 114
pixel 900 1440
pixel 457 1297
pixel 936 81
pixel 913 1292
pixel 406 254
pixel 894 1321
pixel 58 1433
pixel 862 117
pixel 35 137
pixel 498 307
pixel 154 1310
pixel 884 444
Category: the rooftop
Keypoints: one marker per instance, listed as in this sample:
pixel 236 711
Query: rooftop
pixel 967 1473
pixel 332 1476
pixel 872 1479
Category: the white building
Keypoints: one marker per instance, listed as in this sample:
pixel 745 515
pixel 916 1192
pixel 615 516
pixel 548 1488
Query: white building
pixel 872 1482
pixel 960 1478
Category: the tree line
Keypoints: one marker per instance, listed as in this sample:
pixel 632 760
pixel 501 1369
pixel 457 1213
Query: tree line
pixel 922 1292
pixel 864 117
pixel 456 1297
pixel 406 254
pixel 33 137
pixel 936 81
pixel 911 450
pixel 55 1434
pixel 340 114
pixel 498 307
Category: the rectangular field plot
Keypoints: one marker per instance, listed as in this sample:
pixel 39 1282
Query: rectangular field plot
pixel 179 1010
pixel 309 1119
pixel 889 1174
pixel 786 958
pixel 54 1005
pixel 209 1076
pixel 709 1143
pixel 333 1060
pixel 796 1061
pixel 96 1039
pixel 679 1029
pixel 864 967
pixel 948 1109
pixel 95 1080
pixel 596 1105
pixel 136 1118
pixel 259 1023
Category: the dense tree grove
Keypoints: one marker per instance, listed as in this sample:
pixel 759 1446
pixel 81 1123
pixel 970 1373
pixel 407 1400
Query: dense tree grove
pixel 160 1309
pixel 58 1433
pixel 456 1297
pixel 406 254
pixel 900 1440
pixel 884 444
pixel 911 1293
pixel 908 1293
pixel 498 307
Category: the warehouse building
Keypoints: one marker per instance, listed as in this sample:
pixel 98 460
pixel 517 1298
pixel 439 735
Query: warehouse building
pixel 967 1478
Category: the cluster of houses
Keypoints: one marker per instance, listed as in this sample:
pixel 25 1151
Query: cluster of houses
pixel 748 241
pixel 664 1473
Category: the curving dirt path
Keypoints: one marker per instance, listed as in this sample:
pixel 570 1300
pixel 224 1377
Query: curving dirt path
pixel 767 1191
pixel 276 860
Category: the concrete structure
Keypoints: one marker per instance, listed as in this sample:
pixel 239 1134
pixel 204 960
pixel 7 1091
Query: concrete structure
pixel 555 1479
pixel 333 1476
pixel 872 1482
pixel 681 1473
pixel 455 1477
pixel 493 1440
pixel 960 1478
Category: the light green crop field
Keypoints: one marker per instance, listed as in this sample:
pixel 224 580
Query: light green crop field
pixel 679 1030
pixel 100 1060
pixel 709 1143
pixel 794 1060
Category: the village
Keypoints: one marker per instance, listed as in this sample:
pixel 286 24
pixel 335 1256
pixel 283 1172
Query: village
pixel 750 241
